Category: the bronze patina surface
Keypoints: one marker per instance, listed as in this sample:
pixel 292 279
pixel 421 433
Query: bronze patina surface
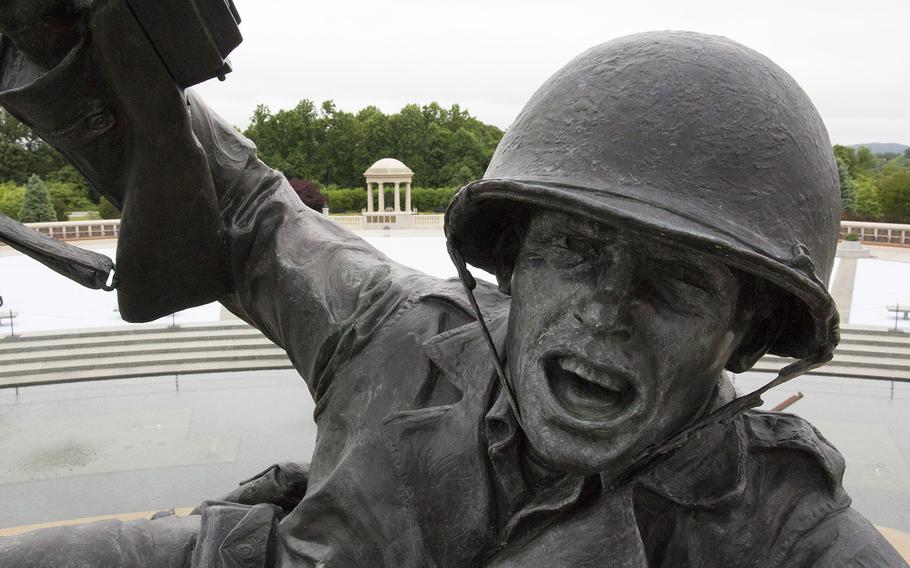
pixel 663 210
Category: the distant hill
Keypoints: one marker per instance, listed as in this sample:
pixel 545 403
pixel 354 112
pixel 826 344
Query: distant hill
pixel 884 147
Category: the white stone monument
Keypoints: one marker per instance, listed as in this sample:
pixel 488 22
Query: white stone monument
pixel 388 171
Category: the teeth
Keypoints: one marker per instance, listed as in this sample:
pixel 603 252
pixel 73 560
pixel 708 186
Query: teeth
pixel 591 375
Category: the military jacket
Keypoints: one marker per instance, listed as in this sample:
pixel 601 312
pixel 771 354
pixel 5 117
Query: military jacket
pixel 418 460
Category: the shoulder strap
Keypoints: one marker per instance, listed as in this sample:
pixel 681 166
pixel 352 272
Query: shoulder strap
pixel 88 268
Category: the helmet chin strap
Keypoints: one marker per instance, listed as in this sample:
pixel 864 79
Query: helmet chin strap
pixel 469 283
pixel 651 455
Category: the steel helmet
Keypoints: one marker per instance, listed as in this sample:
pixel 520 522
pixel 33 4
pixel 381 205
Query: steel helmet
pixel 686 137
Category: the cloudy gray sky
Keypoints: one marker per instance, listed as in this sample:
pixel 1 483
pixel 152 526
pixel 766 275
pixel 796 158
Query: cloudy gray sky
pixel 852 58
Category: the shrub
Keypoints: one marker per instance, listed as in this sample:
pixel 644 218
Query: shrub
pixel 107 210
pixel 309 193
pixel 68 197
pixel 37 206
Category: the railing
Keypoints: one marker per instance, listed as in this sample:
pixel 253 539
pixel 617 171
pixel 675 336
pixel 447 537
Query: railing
pixel 884 233
pixel 348 221
pixel 429 220
pixel 79 230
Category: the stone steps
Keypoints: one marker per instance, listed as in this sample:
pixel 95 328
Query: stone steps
pixel 54 358
pixel 116 353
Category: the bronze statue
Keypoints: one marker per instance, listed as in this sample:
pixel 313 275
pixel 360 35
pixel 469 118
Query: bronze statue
pixel 665 207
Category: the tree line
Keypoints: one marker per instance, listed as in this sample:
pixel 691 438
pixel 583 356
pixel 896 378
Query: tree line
pixel 324 152
pixel 445 147
pixel 874 187
pixel 325 146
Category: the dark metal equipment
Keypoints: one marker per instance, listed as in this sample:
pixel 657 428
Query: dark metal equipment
pixel 192 37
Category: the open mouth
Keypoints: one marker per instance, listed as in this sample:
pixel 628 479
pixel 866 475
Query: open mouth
pixel 588 392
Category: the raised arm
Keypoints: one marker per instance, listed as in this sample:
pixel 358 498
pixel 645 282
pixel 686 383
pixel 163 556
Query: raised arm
pixel 202 218
pixel 111 108
pixel 311 285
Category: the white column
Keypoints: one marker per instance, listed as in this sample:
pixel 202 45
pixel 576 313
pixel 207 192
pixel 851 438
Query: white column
pixel 407 198
pixel 381 196
pixel 369 197
pixel 397 197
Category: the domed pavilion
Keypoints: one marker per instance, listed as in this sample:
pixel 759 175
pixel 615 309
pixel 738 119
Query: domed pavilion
pixel 389 171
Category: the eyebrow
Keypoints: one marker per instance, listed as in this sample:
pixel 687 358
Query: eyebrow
pixel 715 272
pixel 594 231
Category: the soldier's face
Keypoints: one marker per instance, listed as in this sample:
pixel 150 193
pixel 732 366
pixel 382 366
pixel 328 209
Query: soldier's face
pixel 615 341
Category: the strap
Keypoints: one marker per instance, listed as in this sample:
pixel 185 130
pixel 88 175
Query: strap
pixel 88 268
pixel 469 283
pixel 723 415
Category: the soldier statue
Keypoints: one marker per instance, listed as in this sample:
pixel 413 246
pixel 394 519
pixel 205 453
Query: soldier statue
pixel 665 209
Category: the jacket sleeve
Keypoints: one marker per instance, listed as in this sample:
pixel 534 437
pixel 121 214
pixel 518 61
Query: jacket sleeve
pixel 113 111
pixel 203 218
pixel 310 285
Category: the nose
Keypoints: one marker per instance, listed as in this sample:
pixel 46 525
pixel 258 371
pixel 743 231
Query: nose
pixel 602 305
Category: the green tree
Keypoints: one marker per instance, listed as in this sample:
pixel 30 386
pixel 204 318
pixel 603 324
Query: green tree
pixel 894 195
pixel 907 153
pixel 868 206
pixel 894 165
pixel 866 162
pixel 845 155
pixel 107 210
pixel 68 197
pixel 37 206
pixel 23 153
pixel 68 174
pixel 847 189
pixel 444 146
pixel 11 198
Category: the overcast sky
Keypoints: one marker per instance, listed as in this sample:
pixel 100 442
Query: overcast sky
pixel 852 58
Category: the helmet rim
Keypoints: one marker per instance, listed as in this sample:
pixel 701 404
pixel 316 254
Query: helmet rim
pixel 478 215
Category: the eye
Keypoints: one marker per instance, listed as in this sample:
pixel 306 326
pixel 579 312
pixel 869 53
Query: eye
pixel 689 275
pixel 561 251
pixel 580 245
pixel 572 251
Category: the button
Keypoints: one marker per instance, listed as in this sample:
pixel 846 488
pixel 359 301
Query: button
pixel 247 553
pixel 100 121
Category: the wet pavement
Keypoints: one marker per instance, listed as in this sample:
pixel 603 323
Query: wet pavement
pixel 75 451
pixel 869 423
